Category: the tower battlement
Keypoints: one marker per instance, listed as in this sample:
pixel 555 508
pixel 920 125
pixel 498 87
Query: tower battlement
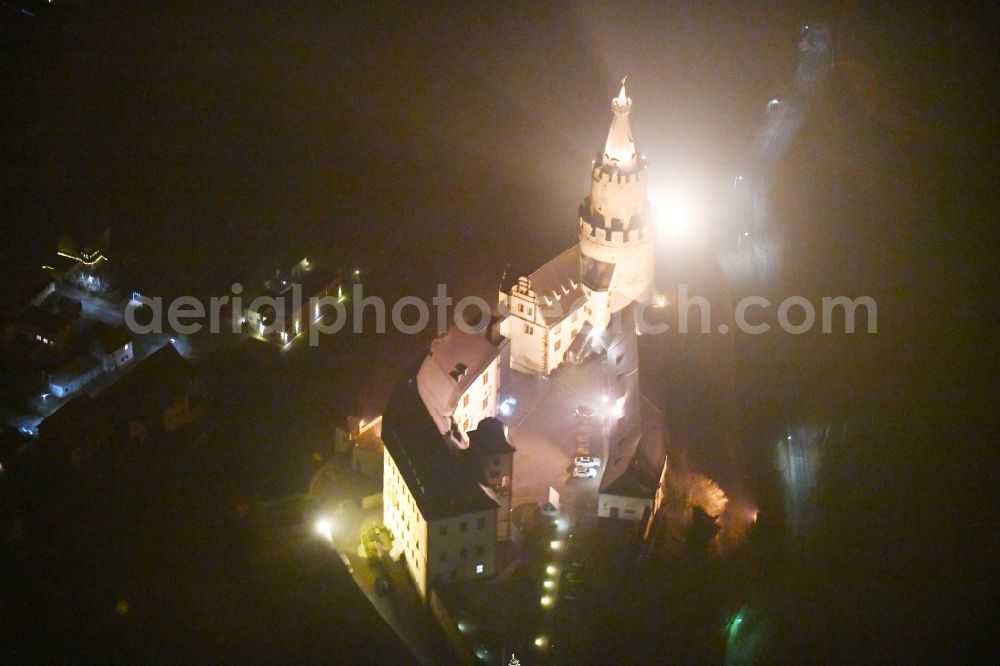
pixel 601 173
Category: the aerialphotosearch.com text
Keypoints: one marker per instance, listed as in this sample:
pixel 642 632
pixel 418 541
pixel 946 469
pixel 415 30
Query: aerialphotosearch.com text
pixel 288 315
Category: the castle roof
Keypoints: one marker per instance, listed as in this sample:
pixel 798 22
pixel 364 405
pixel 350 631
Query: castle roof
pixel 442 480
pixel 558 287
pixel 454 361
pixel 635 469
pixel 619 151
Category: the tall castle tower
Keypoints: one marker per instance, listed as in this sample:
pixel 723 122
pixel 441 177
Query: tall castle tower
pixel 616 231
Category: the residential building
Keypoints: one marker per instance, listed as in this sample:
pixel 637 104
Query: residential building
pixel 443 520
pixel 111 346
pixel 284 307
pixel 73 375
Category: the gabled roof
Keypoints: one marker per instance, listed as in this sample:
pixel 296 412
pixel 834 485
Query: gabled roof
pixel 70 370
pixel 155 383
pixel 443 482
pixel 37 319
pixel 558 287
pixel 110 339
pixel 635 468
pixel 454 361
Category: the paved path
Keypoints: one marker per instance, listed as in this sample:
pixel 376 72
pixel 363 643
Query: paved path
pixel 544 428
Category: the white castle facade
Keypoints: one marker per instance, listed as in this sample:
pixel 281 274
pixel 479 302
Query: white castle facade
pixel 448 460
pixel 611 267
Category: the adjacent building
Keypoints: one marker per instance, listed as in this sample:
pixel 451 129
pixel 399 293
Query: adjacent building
pixel 586 301
pixel 558 312
pixel 448 465
pixel 111 346
pixel 73 375
pixel 284 307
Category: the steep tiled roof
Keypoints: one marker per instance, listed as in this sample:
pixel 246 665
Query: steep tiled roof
pixel 442 481
pixel 638 462
pixel 453 363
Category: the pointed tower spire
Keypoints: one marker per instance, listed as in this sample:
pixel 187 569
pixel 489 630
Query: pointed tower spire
pixel 619 151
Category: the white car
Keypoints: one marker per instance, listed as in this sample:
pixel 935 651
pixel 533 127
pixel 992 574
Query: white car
pixel 587 461
pixel 584 472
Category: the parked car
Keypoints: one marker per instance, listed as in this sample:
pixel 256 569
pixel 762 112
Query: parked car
pixel 587 461
pixel 584 472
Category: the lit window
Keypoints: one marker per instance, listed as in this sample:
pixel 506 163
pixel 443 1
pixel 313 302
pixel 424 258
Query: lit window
pixel 479 568
pixel 575 315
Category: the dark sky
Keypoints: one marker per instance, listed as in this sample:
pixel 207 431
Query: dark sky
pixel 250 122
pixel 242 124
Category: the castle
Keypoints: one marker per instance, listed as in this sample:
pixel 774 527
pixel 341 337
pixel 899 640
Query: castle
pixel 448 464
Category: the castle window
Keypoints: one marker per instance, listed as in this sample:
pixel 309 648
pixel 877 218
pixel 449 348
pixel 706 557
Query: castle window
pixel 557 345
pixel 465 400
pixel 486 377
pixel 520 307
pixel 529 329
pixel 486 401
pixel 531 311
